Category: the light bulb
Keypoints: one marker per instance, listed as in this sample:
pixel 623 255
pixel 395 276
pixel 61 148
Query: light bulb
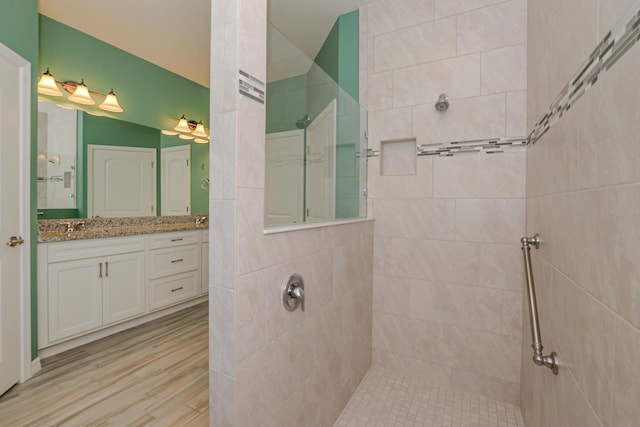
pixel 111 103
pixel 47 85
pixel 81 95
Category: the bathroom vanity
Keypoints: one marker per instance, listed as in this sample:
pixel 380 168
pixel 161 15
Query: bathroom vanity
pixel 103 275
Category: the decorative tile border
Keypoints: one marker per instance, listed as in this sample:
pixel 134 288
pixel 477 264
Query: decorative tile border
pixel 612 47
pixel 478 146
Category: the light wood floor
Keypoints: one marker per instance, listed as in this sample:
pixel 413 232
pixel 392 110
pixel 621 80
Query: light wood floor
pixel 154 374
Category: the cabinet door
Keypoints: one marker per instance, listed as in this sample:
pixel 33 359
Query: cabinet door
pixel 121 181
pixel 123 286
pixel 75 297
pixel 176 180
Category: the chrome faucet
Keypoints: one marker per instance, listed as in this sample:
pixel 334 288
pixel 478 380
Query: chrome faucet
pixel 73 226
pixel 293 293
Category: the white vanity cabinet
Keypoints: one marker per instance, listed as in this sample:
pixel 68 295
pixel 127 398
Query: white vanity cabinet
pixel 174 267
pixel 87 288
pixel 93 283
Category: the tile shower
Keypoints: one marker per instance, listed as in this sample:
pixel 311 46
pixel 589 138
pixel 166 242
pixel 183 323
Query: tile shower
pixel 446 288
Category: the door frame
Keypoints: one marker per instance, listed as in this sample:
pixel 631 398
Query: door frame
pixel 24 205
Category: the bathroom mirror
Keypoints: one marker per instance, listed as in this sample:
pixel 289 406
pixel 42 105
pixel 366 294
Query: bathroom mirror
pixel 315 147
pixel 67 184
pixel 56 161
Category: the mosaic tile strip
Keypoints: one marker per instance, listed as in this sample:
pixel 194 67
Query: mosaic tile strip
pixel 612 47
pixel 479 146
pixel 55 230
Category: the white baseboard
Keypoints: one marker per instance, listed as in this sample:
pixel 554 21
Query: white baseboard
pixel 35 366
pixel 102 333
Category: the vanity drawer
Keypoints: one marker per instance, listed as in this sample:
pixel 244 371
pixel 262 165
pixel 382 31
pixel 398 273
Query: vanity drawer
pixel 170 240
pixel 91 248
pixel 164 262
pixel 169 290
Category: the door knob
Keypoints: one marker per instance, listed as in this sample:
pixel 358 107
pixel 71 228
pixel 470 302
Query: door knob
pixel 15 241
pixel 293 293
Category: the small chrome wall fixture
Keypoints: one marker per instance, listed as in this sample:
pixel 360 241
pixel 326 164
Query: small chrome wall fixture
pixel 442 104
pixel 293 293
pixel 189 129
pixel 80 93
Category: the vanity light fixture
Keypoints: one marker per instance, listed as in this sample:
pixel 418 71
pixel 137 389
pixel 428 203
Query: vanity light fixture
pixel 189 129
pixel 80 93
pixel 111 103
pixel 199 131
pixel 47 85
pixel 183 125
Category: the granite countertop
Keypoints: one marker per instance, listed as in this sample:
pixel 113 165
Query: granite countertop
pixel 55 230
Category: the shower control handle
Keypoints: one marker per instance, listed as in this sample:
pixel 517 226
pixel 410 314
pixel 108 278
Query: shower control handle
pixel 293 293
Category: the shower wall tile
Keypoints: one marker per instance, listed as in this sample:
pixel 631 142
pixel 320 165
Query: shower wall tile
pixel 610 12
pixel 400 186
pixel 392 15
pixel 498 176
pixel 504 69
pixel 581 325
pixel 467 306
pixel 429 341
pixel 251 316
pixel 517 113
pixel 458 77
pixel 447 263
pixel 512 313
pixel 433 371
pixel 626 376
pixel 455 7
pixel 426 42
pixel 250 152
pixel 418 218
pixel 502 25
pixel 490 387
pixel 583 193
pixel 389 124
pixel 380 91
pixel 470 118
pixel 501 266
pixel 489 220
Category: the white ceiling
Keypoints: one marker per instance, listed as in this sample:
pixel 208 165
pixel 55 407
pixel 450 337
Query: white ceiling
pixel 175 34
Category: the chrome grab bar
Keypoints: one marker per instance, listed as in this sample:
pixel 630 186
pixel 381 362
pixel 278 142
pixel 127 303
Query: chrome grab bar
pixel 551 360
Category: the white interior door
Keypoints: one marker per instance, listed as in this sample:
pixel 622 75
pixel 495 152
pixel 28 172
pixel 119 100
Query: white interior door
pixel 121 181
pixel 14 218
pixel 321 166
pixel 175 184
pixel 284 178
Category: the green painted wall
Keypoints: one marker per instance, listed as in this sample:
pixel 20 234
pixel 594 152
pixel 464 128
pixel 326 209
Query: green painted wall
pixel 19 32
pixel 150 95
pixel 286 103
pixel 339 56
pixel 327 58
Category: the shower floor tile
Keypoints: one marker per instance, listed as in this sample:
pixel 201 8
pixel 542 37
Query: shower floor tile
pixel 387 399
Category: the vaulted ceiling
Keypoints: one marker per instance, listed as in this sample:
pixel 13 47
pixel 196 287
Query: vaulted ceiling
pixel 175 34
